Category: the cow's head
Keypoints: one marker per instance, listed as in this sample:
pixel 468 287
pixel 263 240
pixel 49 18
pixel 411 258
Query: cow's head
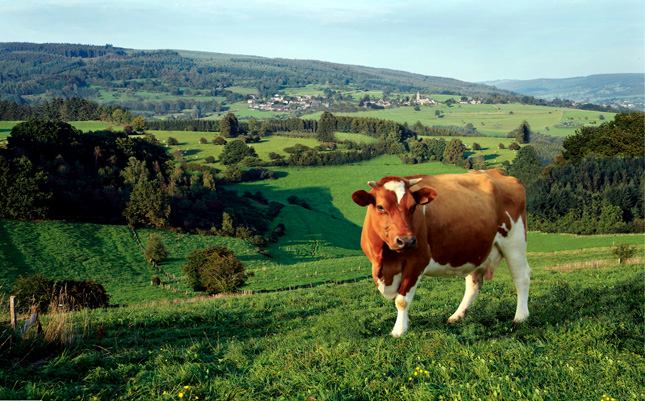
pixel 391 205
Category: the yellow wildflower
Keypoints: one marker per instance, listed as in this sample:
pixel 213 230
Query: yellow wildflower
pixel 186 387
pixel 181 395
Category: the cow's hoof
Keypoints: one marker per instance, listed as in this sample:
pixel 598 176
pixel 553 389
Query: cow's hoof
pixel 455 318
pixel 520 320
pixel 397 333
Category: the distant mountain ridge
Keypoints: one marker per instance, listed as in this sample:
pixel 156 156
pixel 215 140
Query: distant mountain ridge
pixel 31 70
pixel 617 89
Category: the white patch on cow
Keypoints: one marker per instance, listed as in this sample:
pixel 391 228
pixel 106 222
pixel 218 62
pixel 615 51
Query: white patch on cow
pixel 402 304
pixel 398 187
pixel 513 247
pixel 390 291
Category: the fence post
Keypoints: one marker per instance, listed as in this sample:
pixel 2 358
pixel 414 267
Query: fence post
pixel 12 311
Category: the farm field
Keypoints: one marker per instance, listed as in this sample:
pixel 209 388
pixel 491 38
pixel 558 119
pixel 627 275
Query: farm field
pixel 492 119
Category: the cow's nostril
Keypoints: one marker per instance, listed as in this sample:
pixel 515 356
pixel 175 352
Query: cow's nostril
pixel 399 241
pixel 413 241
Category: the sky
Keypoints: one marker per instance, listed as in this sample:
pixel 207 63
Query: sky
pixel 469 40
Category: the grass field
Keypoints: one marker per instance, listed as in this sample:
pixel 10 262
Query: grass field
pixel 492 119
pixel 583 340
pixel 195 151
pixel 331 341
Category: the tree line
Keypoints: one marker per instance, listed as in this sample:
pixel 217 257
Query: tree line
pixel 594 186
pixel 51 170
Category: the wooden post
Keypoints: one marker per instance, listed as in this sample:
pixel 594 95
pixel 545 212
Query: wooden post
pixel 12 310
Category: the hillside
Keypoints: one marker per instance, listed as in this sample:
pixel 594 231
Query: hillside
pixel 616 89
pixel 29 71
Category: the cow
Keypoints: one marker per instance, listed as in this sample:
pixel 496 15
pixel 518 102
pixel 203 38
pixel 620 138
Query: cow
pixel 444 225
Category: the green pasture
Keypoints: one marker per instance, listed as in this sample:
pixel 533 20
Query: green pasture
pixel 582 341
pixel 491 119
pixel 195 151
pixel 350 136
pixel 489 147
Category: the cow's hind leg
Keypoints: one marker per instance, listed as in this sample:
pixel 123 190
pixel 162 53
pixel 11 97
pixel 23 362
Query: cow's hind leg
pixel 521 274
pixel 514 250
pixel 402 303
pixel 473 285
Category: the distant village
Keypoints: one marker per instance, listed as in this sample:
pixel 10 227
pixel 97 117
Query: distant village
pixel 302 103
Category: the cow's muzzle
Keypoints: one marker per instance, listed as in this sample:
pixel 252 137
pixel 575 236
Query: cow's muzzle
pixel 406 241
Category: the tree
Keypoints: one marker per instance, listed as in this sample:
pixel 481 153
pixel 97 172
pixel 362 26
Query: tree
pixel 214 270
pixel 526 165
pixel 229 126
pixel 522 134
pixel 326 128
pixel 148 204
pixel 454 152
pixel 21 193
pixel 155 251
pixel 621 137
pixel 139 124
pixel 235 151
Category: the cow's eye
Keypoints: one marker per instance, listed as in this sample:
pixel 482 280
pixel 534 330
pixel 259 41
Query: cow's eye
pixel 380 208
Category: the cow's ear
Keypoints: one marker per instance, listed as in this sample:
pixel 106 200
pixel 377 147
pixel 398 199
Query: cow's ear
pixel 363 198
pixel 424 195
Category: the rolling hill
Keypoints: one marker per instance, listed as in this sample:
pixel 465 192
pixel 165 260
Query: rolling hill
pixel 619 89
pixel 29 71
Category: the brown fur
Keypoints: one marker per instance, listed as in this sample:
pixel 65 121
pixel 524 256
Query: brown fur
pixel 463 216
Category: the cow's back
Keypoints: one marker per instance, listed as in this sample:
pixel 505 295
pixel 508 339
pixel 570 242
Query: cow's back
pixel 469 211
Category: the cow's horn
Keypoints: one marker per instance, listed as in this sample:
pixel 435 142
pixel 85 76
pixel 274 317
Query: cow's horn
pixel 371 184
pixel 414 181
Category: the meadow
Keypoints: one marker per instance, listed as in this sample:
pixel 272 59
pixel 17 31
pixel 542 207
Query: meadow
pixel 326 341
pixel 583 340
pixel 491 119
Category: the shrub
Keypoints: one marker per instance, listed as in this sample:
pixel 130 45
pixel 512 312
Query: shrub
pixel 155 251
pixel 203 141
pixel 214 270
pixel 294 200
pixel 476 146
pixel 218 140
pixel 74 295
pixel 33 290
pixel 514 146
pixel 155 281
pixel 235 151
pixel 501 146
pixel 172 141
pixel 624 252
pixel 39 291
pixel 209 159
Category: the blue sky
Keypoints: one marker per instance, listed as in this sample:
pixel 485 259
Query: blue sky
pixel 469 40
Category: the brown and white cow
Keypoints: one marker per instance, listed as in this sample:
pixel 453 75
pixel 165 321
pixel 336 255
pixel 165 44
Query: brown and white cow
pixel 444 225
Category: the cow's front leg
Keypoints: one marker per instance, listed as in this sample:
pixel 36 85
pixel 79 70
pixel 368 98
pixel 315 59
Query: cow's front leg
pixel 402 303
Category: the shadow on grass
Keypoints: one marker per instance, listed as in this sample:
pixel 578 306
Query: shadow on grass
pixel 18 264
pixel 312 233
